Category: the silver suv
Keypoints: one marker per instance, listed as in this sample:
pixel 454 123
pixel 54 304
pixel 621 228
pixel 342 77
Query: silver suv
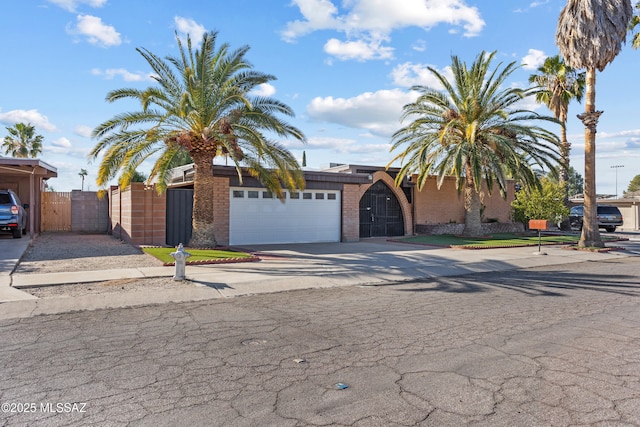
pixel 609 217
pixel 13 217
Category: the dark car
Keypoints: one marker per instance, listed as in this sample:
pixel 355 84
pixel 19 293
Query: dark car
pixel 13 217
pixel 609 217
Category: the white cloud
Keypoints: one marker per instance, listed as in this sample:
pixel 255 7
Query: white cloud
pixel 419 46
pixel 625 133
pixel 83 130
pixel 72 5
pixel 368 22
pixel 37 119
pixel 360 50
pixel 377 112
pixel 345 146
pixel 62 142
pixel 66 147
pixel 533 60
pixel 409 74
pixel 127 76
pixel 189 27
pixel 538 3
pixel 265 89
pixel 318 14
pixel 95 31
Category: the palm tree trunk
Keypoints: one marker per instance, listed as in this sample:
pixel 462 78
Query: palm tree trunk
pixel 472 207
pixel 203 228
pixel 565 150
pixel 590 234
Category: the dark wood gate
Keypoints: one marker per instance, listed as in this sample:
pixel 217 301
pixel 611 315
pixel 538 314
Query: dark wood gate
pixel 179 213
pixel 380 212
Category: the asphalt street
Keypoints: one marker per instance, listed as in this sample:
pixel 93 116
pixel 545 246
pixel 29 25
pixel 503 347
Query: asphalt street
pixel 553 346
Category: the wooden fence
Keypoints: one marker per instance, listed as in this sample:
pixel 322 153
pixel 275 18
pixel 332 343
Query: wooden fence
pixel 56 211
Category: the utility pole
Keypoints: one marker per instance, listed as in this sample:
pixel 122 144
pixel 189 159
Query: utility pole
pixel 616 167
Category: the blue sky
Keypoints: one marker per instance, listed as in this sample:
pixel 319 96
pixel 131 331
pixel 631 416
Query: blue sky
pixel 345 67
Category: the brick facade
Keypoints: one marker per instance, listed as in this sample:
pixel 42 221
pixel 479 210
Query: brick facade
pixel 138 213
pixel 446 206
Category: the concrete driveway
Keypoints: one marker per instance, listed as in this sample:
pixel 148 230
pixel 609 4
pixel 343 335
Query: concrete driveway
pixel 10 252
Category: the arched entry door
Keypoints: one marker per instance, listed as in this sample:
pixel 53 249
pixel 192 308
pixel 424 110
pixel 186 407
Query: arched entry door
pixel 380 212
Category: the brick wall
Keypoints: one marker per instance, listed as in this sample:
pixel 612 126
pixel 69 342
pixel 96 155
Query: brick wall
pixel 89 212
pixel 138 214
pixel 455 229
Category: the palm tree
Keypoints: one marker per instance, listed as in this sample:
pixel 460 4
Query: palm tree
pixel 83 173
pixel 590 35
pixel 560 84
pixel 201 105
pixel 635 22
pixel 475 132
pixel 22 141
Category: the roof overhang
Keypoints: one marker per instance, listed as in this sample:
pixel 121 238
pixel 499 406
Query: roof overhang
pixel 15 166
pixel 183 176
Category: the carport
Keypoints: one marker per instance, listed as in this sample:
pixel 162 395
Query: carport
pixel 26 177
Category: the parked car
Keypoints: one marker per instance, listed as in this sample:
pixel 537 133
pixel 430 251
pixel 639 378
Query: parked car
pixel 13 216
pixel 609 217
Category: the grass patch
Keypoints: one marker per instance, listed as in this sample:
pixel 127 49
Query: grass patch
pixel 492 241
pixel 197 255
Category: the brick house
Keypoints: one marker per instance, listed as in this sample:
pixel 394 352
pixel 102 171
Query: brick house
pixel 342 203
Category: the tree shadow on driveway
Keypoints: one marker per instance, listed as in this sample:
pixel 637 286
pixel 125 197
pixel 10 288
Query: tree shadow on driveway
pixel 623 278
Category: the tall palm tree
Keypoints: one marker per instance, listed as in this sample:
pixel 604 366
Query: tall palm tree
pixel 202 104
pixel 590 35
pixel 474 131
pixel 22 141
pixel 560 84
pixel 83 173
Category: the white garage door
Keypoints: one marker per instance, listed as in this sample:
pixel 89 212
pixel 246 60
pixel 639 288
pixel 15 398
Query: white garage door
pixel 256 217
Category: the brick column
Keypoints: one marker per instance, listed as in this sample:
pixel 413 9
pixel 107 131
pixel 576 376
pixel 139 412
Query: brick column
pixel 350 213
pixel 221 209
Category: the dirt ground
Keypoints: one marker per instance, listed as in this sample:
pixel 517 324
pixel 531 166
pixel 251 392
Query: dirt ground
pixel 61 252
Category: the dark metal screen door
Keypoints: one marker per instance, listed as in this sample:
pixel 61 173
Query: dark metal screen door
pixel 179 213
pixel 380 212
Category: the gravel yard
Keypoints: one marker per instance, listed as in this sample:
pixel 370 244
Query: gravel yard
pixel 60 252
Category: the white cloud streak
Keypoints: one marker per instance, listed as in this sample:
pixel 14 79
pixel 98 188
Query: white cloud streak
pixel 72 5
pixel 127 76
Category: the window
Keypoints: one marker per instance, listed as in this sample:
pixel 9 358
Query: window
pixel 238 194
pixel 267 195
pixel 252 194
pixel 306 196
pixel 319 196
pixel 331 196
pixel 294 195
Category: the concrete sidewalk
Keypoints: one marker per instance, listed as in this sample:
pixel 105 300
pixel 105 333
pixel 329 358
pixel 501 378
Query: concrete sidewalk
pixel 290 267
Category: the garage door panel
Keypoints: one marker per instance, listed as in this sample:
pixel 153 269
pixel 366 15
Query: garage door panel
pixel 265 220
